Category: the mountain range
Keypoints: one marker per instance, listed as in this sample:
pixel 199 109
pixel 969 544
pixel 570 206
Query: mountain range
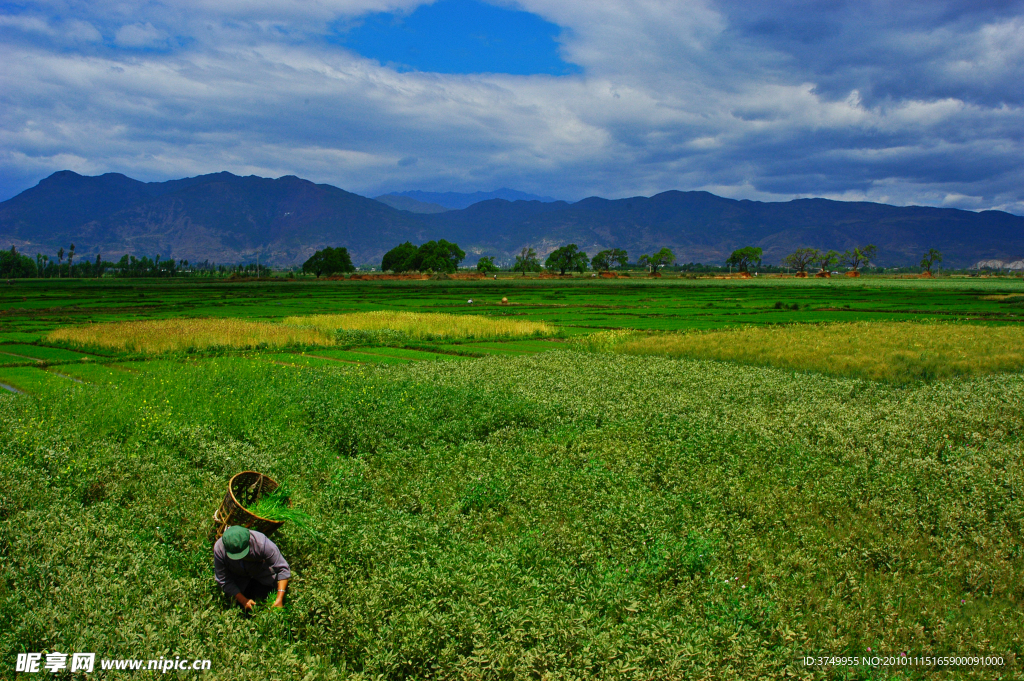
pixel 226 218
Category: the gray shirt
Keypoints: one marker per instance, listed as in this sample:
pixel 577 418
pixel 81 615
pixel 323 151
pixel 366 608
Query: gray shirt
pixel 264 563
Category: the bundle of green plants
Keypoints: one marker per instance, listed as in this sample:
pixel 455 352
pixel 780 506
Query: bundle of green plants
pixel 276 506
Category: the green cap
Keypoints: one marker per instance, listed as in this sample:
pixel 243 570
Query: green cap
pixel 236 542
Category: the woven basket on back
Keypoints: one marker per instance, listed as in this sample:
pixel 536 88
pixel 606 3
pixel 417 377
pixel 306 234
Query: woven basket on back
pixel 245 489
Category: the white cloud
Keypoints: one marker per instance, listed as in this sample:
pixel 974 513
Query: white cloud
pixel 140 36
pixel 26 23
pixel 688 95
pixel 81 31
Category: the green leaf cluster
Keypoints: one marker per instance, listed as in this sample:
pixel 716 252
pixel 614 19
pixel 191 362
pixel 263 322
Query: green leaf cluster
pixel 277 506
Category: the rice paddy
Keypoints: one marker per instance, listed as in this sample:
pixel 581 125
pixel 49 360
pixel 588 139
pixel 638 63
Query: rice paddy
pixel 190 335
pixel 897 352
pixel 424 325
pixel 182 335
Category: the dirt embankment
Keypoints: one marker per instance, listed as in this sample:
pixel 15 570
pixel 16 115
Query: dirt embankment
pixel 382 277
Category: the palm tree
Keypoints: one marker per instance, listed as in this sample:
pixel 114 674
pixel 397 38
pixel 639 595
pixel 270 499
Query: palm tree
pixel 71 257
pixel 60 260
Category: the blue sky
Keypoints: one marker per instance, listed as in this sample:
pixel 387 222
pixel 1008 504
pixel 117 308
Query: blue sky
pixel 458 36
pixel 918 102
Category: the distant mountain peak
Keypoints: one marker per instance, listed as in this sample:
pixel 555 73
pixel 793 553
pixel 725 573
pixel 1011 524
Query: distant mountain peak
pixel 399 202
pixel 459 200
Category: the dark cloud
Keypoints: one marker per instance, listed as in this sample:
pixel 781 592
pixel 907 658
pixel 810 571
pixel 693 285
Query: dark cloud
pixel 892 51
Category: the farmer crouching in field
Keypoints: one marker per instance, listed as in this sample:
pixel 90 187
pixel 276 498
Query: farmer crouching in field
pixel 248 566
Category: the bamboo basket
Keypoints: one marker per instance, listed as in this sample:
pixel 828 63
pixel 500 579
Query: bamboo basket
pixel 245 489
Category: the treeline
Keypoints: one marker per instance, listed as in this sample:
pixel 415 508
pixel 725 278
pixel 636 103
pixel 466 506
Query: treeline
pixel 439 256
pixel 444 256
pixel 433 256
pixel 131 267
pixel 15 265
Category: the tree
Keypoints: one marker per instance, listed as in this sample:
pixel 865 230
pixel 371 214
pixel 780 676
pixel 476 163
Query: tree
pixel 99 266
pixel 526 261
pixel 71 257
pixel 743 258
pixel 14 265
pixel 657 260
pixel 60 260
pixel 328 261
pixel 605 260
pixel 932 257
pixel 399 258
pixel 438 256
pixel 486 265
pixel 858 257
pixel 568 257
pixel 827 259
pixel 801 258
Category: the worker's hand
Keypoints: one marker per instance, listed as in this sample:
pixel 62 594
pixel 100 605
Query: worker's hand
pixel 279 603
pixel 249 605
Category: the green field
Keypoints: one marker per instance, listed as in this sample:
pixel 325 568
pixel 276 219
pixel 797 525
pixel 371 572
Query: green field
pixel 36 306
pixel 526 508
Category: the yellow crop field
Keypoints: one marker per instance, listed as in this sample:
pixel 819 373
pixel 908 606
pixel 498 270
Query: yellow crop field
pixel 896 352
pixel 166 335
pixel 424 324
